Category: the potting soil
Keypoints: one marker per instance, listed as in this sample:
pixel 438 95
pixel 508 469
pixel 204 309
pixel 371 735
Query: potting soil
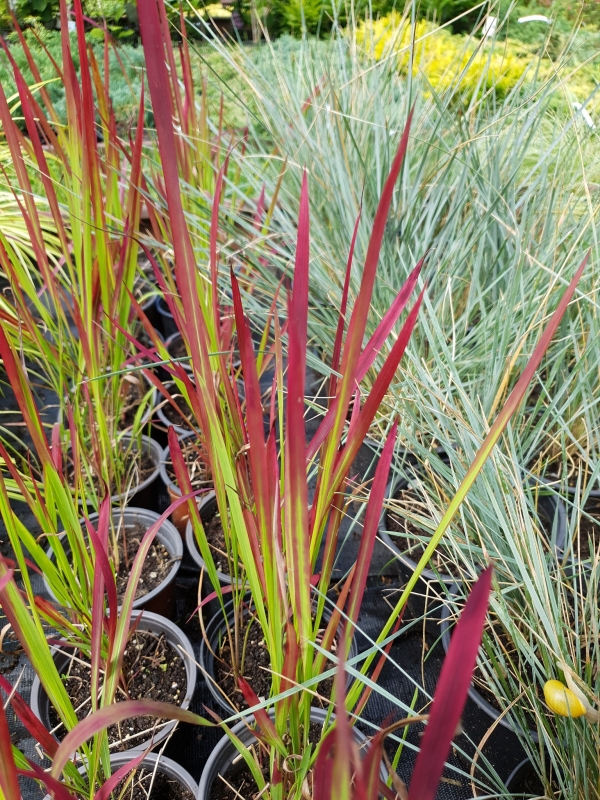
pixel 152 670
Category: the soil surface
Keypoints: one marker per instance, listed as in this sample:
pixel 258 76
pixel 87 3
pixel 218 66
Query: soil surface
pixel 177 348
pixel 132 392
pixel 240 779
pixel 256 665
pixel 137 466
pixel 152 670
pixel 198 470
pixel 174 417
pixel 155 568
pixel 215 536
pixel 551 469
pixel 136 786
pixel 407 500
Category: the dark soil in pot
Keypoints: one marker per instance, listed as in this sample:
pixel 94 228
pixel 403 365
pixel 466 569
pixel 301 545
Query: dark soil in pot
pixel 163 787
pixel 155 568
pixel 169 415
pixel 177 349
pixel 171 780
pixel 551 471
pixel 132 391
pixel 481 692
pixel 238 781
pixel 137 467
pixel 481 683
pixel 256 665
pixel 156 589
pixel 215 536
pixel 152 670
pixel 524 780
pixel 198 469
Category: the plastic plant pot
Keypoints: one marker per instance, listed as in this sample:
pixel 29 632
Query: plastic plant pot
pixel 144 493
pixel 40 703
pixel 427 598
pixel 525 781
pixel 166 321
pixel 225 753
pixel 161 600
pixel 209 646
pixel 171 344
pixel 506 720
pixel 167 767
pixel 147 414
pixel 161 403
pixel 180 516
pixel 207 507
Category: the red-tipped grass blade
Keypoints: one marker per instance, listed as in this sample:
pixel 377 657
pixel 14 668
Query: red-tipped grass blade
pixel 266 727
pixel 29 719
pixel 111 715
pixel 451 692
pixel 371 526
pixel 296 489
pixel 115 779
pixel 368 355
pixel 9 779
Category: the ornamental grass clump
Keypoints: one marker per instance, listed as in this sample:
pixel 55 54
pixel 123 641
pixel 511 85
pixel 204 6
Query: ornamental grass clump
pixel 69 309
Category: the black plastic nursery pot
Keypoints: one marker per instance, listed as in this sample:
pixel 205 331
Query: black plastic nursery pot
pixel 144 493
pixel 207 507
pixel 163 407
pixel 179 517
pixel 166 322
pixel 506 720
pixel 161 599
pixel 166 766
pixel 154 623
pixel 577 558
pixel 148 386
pixel 225 753
pixel 427 597
pixel 176 349
pixel 567 487
pixel 432 588
pixel 525 781
pixel 171 769
pixel 209 646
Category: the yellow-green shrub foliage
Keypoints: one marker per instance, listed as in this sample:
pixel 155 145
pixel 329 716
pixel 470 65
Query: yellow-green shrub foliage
pixel 471 67
pixel 449 62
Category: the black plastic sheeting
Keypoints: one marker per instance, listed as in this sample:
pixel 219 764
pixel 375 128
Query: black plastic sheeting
pixel 419 657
